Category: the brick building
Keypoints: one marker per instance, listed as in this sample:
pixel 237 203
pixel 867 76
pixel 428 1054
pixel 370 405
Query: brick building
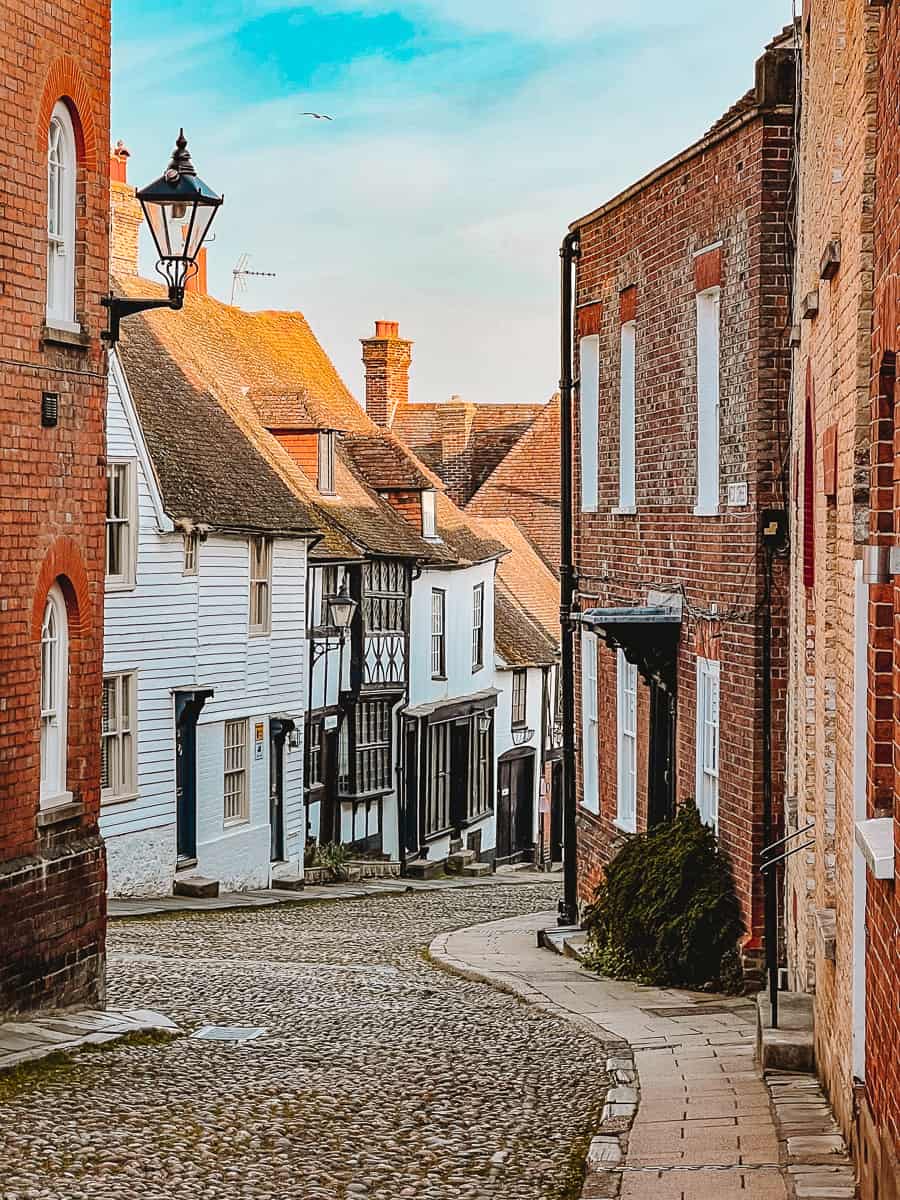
pixel 54 270
pixel 841 902
pixel 681 328
pixel 824 898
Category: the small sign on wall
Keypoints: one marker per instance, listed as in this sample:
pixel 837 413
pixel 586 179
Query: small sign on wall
pixel 259 740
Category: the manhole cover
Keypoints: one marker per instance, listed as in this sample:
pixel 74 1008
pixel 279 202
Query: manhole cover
pixel 229 1033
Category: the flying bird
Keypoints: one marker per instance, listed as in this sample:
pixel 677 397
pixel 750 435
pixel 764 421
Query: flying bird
pixel 318 116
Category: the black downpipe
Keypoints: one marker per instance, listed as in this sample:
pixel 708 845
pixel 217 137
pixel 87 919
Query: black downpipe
pixel 568 907
pixel 770 877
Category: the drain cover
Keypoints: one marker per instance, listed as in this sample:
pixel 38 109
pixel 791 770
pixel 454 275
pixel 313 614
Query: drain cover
pixel 229 1033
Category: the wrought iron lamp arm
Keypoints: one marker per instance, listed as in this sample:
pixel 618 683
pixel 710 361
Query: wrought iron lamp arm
pixel 124 306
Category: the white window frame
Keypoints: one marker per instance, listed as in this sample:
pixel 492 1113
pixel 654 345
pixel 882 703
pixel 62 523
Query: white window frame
pixel 62 170
pixel 708 367
pixel 325 465
pixel 589 423
pixel 236 776
pixel 477 627
pixel 590 723
pixel 118 737
pixel 519 714
pixel 626 749
pixel 260 621
pixel 627 403
pixel 429 516
pixel 438 633
pixel 707 741
pixel 191 561
pixel 54 700
pixel 125 523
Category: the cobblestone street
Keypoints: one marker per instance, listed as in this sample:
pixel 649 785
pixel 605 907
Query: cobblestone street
pixel 379 1075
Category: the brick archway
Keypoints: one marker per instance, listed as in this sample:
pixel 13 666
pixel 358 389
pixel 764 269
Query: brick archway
pixel 66 82
pixel 63 564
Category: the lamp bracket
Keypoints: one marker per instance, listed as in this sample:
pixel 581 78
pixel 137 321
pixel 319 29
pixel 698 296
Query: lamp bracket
pixel 122 306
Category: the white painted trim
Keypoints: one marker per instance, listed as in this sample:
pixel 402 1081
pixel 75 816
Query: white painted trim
pixel 708 674
pixel 708 396
pixel 708 249
pixel 628 417
pixel 626 792
pixel 860 875
pixel 589 420
pixel 54 792
pixel 165 524
pixel 590 724
pixel 875 838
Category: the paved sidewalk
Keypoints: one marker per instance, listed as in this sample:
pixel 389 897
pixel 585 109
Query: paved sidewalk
pixel 269 897
pixel 62 1032
pixel 703 1123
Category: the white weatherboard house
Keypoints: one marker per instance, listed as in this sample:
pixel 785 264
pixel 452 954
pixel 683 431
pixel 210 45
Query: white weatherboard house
pixel 204 667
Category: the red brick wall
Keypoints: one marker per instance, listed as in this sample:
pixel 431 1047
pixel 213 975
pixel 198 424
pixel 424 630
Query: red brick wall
pixel 883 752
pixel 52 496
pixel 731 190
pixel 303 447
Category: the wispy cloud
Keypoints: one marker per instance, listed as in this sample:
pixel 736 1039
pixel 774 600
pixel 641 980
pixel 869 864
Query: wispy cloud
pixel 467 135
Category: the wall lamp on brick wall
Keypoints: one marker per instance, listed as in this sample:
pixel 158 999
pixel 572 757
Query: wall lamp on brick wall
pixel 180 209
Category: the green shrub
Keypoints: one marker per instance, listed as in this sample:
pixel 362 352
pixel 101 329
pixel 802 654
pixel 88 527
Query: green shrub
pixel 666 912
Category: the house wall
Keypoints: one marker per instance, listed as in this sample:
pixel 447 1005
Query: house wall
pixel 878 1125
pixel 460 679
pixel 52 495
pixel 831 378
pixel 720 211
pixel 503 732
pixel 178 632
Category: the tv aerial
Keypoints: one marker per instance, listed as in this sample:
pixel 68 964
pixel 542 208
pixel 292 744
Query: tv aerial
pixel 241 274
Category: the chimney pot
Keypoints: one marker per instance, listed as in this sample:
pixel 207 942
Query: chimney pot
pixel 125 215
pixel 387 329
pixel 118 163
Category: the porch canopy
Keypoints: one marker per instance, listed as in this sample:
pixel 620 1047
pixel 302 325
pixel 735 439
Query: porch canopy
pixel 457 706
pixel 646 634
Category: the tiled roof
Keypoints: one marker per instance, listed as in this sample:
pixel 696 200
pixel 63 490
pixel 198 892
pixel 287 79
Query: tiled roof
pixel 519 641
pixel 383 462
pixel 259 366
pixel 525 486
pixel 461 441
pixel 207 470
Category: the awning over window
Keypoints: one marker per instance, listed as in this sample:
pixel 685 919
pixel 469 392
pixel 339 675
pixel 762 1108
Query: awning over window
pixel 646 634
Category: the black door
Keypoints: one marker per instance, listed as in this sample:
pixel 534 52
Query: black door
pixel 278 731
pixel 187 710
pixel 515 809
pixel 556 812
pixel 330 808
pixel 460 773
pixel 661 774
pixel 411 788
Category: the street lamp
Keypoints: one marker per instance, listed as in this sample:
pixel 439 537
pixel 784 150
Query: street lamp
pixel 180 209
pixel 342 609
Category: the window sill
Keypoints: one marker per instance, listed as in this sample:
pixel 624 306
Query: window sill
pixel 58 810
pixel 65 333
pixel 115 798
pixel 439 833
pixel 476 669
pixel 260 633
pixel 623 827
pixel 236 823
pixel 478 816
pixel 439 678
pixel 702 511
pixel 625 510
pixel 119 585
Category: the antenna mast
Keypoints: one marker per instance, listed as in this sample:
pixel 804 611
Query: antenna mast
pixel 241 274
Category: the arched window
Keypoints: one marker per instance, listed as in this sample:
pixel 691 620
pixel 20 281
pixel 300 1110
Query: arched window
pixel 61 172
pixel 54 699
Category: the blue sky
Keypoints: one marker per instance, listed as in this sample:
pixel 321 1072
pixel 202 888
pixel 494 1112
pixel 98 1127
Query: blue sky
pixel 467 134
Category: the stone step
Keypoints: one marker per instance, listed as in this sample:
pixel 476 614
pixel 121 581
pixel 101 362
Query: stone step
pixel 475 869
pixel 289 883
pixel 455 862
pixel 197 886
pixel 424 868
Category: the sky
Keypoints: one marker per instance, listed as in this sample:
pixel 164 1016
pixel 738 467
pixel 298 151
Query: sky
pixel 467 134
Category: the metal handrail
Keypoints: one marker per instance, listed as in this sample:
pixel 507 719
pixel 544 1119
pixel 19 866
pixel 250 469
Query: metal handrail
pixel 774 846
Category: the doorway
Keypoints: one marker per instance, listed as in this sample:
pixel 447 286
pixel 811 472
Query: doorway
pixel 661 772
pixel 515 808
pixel 279 728
pixel 188 706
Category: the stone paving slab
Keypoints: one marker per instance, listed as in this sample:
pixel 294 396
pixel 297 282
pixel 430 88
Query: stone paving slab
pixel 48 1033
pixel 692 1118
pixel 269 897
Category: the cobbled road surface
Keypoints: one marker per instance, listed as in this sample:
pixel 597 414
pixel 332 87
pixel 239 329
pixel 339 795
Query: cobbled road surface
pixel 379 1076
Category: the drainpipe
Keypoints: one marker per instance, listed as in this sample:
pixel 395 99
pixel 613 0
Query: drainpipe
pixel 568 907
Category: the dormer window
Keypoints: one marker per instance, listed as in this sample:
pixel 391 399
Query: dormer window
pixel 429 516
pixel 61 171
pixel 326 463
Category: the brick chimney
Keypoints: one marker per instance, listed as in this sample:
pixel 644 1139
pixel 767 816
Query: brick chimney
pixel 387 358
pixel 197 283
pixel 455 419
pixel 125 215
